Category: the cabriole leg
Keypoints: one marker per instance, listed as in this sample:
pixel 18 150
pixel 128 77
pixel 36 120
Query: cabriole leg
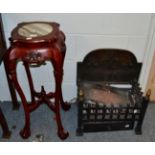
pixel 58 80
pixel 31 86
pixel 25 132
pixel 15 103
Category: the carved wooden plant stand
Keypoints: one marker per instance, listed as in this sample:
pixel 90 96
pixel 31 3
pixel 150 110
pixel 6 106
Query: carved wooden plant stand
pixel 34 43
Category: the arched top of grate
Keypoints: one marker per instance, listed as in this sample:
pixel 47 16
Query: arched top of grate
pixel 110 57
pixel 113 65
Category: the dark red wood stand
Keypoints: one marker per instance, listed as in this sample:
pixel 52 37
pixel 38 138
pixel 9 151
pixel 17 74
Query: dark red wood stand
pixel 34 50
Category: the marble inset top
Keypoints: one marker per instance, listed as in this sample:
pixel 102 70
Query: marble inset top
pixel 33 30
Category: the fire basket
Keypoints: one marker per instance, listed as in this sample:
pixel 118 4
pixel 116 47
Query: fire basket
pixel 109 95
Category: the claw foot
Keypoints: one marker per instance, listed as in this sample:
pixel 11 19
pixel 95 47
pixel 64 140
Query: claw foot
pixel 65 106
pixel 63 135
pixel 25 133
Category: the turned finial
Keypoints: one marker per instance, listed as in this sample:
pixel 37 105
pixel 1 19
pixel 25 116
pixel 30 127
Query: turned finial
pixel 81 93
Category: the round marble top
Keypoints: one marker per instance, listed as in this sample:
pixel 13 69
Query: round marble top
pixel 33 30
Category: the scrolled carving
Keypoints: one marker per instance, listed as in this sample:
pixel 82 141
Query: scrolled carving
pixel 34 57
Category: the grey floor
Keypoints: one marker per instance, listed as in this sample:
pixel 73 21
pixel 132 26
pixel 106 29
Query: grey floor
pixel 43 123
